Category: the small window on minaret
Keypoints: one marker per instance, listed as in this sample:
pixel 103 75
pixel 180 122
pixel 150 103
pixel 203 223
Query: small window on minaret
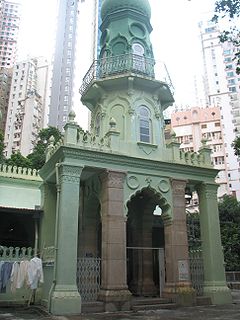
pixel 144 124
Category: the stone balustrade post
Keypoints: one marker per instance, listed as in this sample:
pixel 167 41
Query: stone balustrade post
pixel 215 285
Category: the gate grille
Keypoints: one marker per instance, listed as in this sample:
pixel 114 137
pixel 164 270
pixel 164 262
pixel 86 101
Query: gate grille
pixel 88 278
pixel 197 272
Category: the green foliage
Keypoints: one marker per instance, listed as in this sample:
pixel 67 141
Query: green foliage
pixel 193 231
pixel 37 157
pixel 229 214
pixel 18 160
pixel 230 9
pixel 236 146
pixel 2 158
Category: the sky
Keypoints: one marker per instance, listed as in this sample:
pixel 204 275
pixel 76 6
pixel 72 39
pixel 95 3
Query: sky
pixel 175 37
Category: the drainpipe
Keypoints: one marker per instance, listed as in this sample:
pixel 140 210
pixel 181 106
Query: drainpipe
pixel 56 236
pixel 36 238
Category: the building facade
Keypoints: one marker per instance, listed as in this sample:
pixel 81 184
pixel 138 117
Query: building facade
pixel 222 89
pixel 196 125
pixel 27 105
pixel 5 85
pixel 63 64
pixel 9 27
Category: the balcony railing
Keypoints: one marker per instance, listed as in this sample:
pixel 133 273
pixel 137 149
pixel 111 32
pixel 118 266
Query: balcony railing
pixel 116 65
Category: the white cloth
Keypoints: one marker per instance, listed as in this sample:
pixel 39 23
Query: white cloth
pixel 22 274
pixel 14 276
pixel 35 272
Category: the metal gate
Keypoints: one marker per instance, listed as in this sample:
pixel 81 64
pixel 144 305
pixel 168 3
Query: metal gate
pixel 89 278
pixel 197 271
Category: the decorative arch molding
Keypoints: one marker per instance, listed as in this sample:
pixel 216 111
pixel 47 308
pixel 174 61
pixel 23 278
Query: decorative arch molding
pixel 144 100
pixel 159 187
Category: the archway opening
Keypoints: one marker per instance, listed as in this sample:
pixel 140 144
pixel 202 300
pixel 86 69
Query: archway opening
pixel 145 243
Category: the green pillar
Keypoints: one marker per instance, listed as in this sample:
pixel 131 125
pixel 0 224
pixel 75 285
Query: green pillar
pixel 64 295
pixel 214 273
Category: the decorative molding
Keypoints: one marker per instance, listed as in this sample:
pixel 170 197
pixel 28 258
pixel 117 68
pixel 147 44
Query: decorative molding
pixel 147 148
pixel 133 182
pixel 178 186
pixel 164 186
pixel 113 179
pixel 69 173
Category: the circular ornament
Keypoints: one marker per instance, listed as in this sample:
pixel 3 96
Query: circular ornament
pixel 133 182
pixel 164 186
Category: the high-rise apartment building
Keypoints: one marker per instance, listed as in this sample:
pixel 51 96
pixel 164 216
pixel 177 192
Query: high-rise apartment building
pixel 5 84
pixel 64 63
pixel 27 104
pixel 9 27
pixel 195 125
pixel 222 89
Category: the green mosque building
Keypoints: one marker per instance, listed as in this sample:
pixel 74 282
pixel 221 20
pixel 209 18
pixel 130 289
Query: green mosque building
pixel 112 215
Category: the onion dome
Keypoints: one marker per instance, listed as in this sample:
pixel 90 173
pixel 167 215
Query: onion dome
pixel 110 6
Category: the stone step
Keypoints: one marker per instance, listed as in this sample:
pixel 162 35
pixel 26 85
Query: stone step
pixel 148 307
pixel 93 307
pixel 203 301
pixel 151 301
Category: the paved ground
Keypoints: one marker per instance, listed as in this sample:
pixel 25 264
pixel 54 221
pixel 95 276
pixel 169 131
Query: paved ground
pixel 225 312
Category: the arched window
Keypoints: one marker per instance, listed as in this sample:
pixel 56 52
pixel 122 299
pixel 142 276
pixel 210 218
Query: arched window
pixel 138 57
pixel 144 124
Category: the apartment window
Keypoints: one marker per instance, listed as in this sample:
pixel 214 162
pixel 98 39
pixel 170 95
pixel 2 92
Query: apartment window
pixel 232 89
pixel 227 52
pixel 231 81
pixel 217 124
pixel 230 74
pixel 203 126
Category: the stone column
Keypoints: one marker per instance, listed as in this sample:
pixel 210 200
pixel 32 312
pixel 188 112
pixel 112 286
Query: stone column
pixel 114 291
pixel 214 273
pixel 178 285
pixel 64 296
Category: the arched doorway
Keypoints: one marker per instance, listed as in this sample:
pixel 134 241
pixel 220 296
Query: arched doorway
pixel 145 243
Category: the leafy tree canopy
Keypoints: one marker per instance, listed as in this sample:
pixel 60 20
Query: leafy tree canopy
pixel 230 9
pixel 18 160
pixel 37 157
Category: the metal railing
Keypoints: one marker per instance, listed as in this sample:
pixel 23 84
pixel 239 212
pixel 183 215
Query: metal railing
pixel 116 65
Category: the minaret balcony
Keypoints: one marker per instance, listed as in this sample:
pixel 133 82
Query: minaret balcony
pixel 121 65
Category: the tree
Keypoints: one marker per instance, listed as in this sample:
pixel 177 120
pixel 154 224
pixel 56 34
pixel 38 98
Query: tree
pixel 18 160
pixel 230 9
pixel 37 157
pixel 229 214
pixel 2 158
pixel 236 146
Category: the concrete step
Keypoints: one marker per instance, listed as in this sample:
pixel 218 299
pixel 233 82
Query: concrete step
pixel 148 307
pixel 93 307
pixel 141 300
pixel 140 304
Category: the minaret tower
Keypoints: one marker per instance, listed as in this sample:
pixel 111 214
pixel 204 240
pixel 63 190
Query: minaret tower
pixel 120 88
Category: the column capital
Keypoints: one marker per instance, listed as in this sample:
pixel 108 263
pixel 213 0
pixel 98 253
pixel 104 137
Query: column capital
pixel 209 189
pixel 69 173
pixel 113 179
pixel 178 186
